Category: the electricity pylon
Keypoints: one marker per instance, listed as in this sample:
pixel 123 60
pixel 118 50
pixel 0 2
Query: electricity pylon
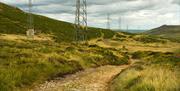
pixel 81 20
pixel 127 28
pixel 30 30
pixel 179 12
pixel 108 21
pixel 120 23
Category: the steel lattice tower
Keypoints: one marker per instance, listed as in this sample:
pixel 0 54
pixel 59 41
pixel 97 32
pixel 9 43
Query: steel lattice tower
pixel 30 31
pixel 108 21
pixel 120 23
pixel 81 20
pixel 30 18
pixel 179 12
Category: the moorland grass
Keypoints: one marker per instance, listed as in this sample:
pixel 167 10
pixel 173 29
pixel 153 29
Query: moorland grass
pixel 156 73
pixel 27 63
pixel 149 39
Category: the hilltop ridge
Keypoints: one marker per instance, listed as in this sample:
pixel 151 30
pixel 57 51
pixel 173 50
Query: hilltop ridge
pixel 14 21
pixel 166 31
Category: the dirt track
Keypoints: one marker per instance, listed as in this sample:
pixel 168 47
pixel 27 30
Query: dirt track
pixel 95 79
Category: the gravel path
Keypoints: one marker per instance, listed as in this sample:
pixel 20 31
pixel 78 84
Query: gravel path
pixel 95 79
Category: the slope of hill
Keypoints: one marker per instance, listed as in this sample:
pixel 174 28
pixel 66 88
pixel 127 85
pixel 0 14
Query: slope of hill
pixel 14 21
pixel 167 31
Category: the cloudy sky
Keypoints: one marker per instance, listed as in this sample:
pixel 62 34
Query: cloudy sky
pixel 137 14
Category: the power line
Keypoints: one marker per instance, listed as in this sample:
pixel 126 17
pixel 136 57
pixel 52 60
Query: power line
pixel 81 20
pixel 30 20
pixel 30 30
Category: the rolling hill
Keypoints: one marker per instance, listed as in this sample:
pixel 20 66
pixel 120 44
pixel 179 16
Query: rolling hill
pixel 14 21
pixel 167 31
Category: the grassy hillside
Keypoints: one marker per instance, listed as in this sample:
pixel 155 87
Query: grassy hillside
pixel 167 31
pixel 14 21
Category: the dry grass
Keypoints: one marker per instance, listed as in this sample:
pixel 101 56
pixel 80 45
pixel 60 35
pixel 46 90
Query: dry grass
pixel 155 72
pixel 159 78
pixel 133 46
pixel 153 78
pixel 13 37
pixel 25 63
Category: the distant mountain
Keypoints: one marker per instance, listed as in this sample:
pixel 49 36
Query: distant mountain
pixel 131 31
pixel 134 31
pixel 14 21
pixel 166 31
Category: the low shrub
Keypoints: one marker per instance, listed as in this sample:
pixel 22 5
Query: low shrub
pixel 121 36
pixel 32 62
pixel 149 39
pixel 70 49
pixel 93 46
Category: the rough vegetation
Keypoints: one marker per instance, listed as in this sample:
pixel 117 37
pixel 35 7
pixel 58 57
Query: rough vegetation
pixel 25 62
pixel 157 72
pixel 150 39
